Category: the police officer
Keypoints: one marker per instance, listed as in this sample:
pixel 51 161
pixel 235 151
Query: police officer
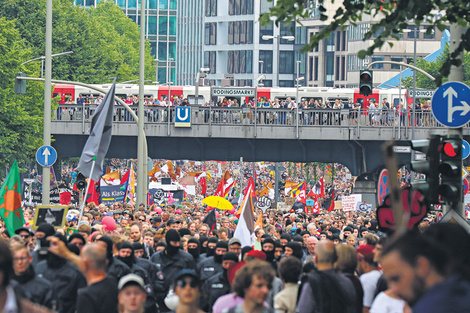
pixel 169 262
pixel 219 285
pixel 116 269
pixel 66 279
pixel 213 264
pixel 126 255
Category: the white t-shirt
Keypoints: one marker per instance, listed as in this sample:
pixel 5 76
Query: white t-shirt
pixel 383 303
pixel 369 285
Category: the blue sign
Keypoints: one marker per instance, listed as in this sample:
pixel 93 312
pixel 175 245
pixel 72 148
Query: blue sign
pixel 182 117
pixel 450 104
pixel 465 149
pixel 465 186
pixel 46 156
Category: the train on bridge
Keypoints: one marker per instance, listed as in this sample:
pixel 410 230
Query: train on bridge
pixel 204 93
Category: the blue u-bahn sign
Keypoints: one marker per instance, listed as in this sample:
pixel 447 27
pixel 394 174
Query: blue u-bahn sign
pixel 182 117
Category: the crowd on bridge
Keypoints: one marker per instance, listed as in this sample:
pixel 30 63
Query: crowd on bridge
pixel 309 112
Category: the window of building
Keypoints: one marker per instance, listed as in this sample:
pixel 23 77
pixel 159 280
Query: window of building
pixel 239 61
pixel 236 32
pixel 414 32
pixel 338 41
pixel 152 4
pixel 240 32
pixel 330 42
pixel 310 68
pixel 266 30
pixel 286 83
pixel 267 82
pixel 343 45
pixel 210 60
pixel 430 36
pixel 286 62
pixel 131 4
pixel 379 66
pixel 330 67
pixel 249 32
pixel 162 4
pixel 337 67
pixel 211 7
pixel 301 35
pixel 162 47
pixel 287 30
pixel 343 67
pixel 267 57
pixel 249 6
pixel 152 28
pixel 230 34
pixel 172 26
pixel 265 6
pixel 210 34
pixel 172 50
pixel 162 25
pixel 315 69
pixel 173 4
pixel 162 75
pixel 153 47
pixel 396 59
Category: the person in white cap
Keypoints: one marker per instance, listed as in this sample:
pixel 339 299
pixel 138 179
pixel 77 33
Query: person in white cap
pixel 132 294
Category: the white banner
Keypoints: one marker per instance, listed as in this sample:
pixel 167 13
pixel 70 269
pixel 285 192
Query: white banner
pixel 349 202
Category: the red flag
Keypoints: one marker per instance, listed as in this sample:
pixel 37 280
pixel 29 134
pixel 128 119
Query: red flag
pixel 302 195
pixel 203 183
pixel 316 207
pixel 65 197
pixel 317 190
pixel 220 189
pixel 92 195
pixel 332 204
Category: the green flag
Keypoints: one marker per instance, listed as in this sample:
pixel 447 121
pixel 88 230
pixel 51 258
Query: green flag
pixel 10 201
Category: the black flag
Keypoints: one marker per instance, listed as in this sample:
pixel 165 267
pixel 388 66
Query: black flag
pixel 210 220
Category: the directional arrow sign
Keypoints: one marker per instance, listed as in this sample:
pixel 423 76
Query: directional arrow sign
pixel 46 156
pixel 450 104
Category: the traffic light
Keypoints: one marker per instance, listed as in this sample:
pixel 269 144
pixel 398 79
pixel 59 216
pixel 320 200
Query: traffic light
pixel 20 84
pixel 81 181
pixel 431 148
pixel 365 83
pixel 451 170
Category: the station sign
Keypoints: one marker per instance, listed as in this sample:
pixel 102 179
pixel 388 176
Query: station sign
pixel 233 92
pixel 421 93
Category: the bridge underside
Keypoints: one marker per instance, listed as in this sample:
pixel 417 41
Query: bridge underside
pixel 358 155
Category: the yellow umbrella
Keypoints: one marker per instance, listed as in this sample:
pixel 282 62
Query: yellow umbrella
pixel 218 202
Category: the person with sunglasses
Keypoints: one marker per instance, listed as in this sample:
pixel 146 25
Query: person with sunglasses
pixel 25 234
pixel 188 289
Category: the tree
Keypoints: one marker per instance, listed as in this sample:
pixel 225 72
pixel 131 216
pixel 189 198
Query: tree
pixel 105 42
pixel 394 16
pixel 433 69
pixel 21 117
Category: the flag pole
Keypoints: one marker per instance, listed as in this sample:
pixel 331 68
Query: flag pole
pixel 86 190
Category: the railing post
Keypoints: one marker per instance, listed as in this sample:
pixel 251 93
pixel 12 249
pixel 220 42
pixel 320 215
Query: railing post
pixel 83 117
pixel 210 120
pixel 256 118
pixel 169 119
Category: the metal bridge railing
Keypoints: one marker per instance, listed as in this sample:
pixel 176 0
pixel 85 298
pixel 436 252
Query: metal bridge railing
pixel 261 116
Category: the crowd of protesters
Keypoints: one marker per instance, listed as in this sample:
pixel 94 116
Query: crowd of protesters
pixel 153 259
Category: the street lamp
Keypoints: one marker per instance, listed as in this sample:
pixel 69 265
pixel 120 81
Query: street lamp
pixel 201 74
pixel 261 62
pixel 278 40
pixel 42 58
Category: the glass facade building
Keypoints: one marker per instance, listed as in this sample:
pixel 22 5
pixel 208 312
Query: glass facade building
pixel 174 30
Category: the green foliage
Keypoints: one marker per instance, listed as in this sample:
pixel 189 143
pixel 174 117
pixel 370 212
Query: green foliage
pixel 105 42
pixel 393 17
pixel 433 69
pixel 21 116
